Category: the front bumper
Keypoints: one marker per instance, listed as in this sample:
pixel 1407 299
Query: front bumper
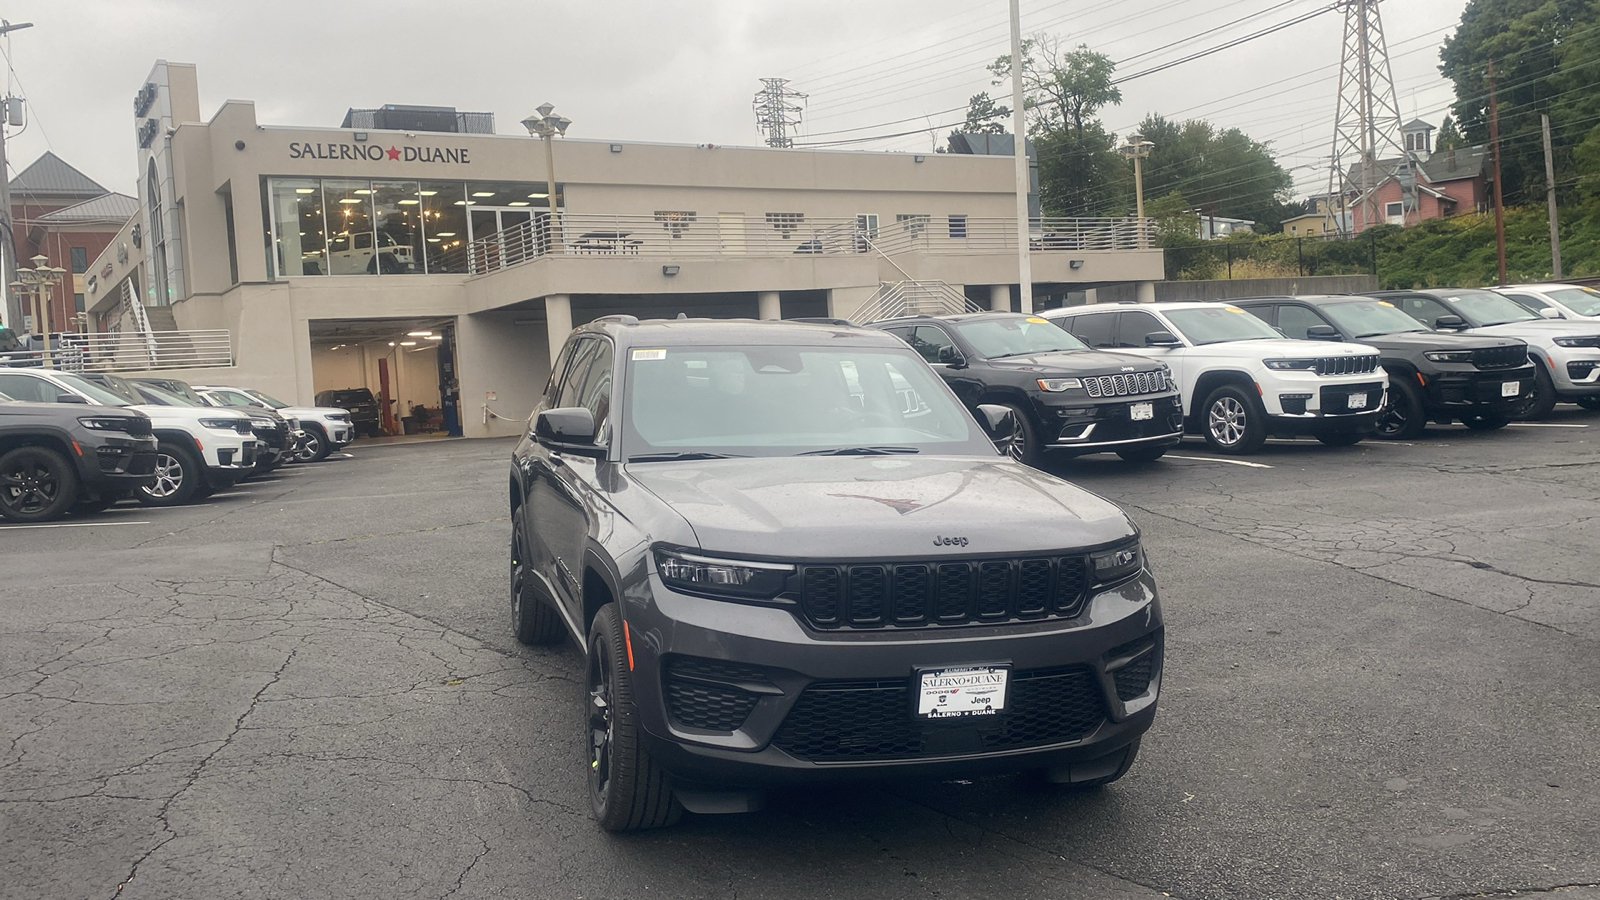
pixel 118 464
pixel 340 433
pixel 1477 391
pixel 809 705
pixel 1326 408
pixel 1574 371
pixel 1092 426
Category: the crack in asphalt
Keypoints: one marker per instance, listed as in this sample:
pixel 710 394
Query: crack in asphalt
pixel 468 870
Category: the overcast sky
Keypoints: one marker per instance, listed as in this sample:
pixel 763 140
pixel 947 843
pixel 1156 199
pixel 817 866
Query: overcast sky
pixel 685 71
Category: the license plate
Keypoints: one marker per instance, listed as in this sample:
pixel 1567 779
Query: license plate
pixel 958 693
pixel 1358 401
pixel 1510 388
pixel 1139 412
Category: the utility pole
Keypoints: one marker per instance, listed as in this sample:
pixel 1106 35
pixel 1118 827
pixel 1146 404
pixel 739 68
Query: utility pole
pixel 775 114
pixel 1367 115
pixel 11 308
pixel 1499 200
pixel 1550 195
pixel 1019 125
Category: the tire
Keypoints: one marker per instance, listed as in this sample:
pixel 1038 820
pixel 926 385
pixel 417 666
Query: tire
pixel 1023 445
pixel 1486 422
pixel 178 476
pixel 317 447
pixel 1232 421
pixel 1591 402
pixel 1341 438
pixel 1142 454
pixel 37 484
pixel 1405 414
pixel 627 791
pixel 533 620
pixel 1542 399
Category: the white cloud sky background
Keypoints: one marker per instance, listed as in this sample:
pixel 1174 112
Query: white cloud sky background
pixel 683 71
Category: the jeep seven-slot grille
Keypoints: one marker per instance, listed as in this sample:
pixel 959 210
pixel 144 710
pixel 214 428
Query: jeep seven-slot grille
pixel 1500 357
pixel 948 592
pixel 1346 365
pixel 1126 385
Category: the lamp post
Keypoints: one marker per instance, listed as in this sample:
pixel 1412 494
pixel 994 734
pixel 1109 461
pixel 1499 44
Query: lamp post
pixel 545 125
pixel 1137 149
pixel 39 280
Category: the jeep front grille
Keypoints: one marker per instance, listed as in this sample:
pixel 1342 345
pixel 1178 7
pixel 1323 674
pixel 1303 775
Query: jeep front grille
pixel 1500 357
pixel 1346 365
pixel 943 592
pixel 1126 384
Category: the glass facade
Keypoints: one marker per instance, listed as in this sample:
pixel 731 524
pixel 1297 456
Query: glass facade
pixel 346 226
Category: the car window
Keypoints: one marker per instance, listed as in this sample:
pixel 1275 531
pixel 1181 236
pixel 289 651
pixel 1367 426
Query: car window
pixel 927 340
pixel 1293 321
pixel 363 241
pixel 1370 318
pixel 1486 308
pixel 1424 309
pixel 1529 300
pixel 1015 336
pixel 572 382
pixel 1217 324
pixel 1133 326
pixel 1583 301
pixel 29 388
pixel 94 392
pixel 233 398
pixel 1094 329
pixel 557 370
pixel 595 395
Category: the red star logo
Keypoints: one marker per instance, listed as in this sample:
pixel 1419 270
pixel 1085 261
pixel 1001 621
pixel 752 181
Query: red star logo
pixel 393 153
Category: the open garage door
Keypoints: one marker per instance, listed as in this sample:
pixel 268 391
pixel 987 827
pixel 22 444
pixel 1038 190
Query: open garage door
pixel 397 376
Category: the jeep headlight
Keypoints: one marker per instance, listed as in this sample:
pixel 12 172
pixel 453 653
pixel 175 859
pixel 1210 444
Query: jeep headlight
pixel 1057 385
pixel 106 423
pixel 1118 563
pixel 220 424
pixel 1590 340
pixel 1299 365
pixel 736 579
pixel 1449 356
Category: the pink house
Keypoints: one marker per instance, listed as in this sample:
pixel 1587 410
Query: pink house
pixel 1438 185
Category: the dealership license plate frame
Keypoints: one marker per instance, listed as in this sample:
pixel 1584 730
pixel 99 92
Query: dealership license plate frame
pixel 1510 389
pixel 1142 411
pixel 1357 400
pixel 924 696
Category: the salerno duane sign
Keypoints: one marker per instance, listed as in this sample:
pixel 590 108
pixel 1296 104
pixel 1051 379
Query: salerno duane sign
pixel 374 152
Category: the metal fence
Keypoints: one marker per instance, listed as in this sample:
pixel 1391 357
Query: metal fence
pixel 1274 256
pixel 130 352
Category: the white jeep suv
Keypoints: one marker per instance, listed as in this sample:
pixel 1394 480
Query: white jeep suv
pixel 327 428
pixel 201 449
pixel 1242 380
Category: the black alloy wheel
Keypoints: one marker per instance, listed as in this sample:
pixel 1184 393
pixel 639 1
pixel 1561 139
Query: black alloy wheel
pixel 1233 420
pixel 1485 422
pixel 37 484
pixel 533 620
pixel 627 792
pixel 1541 400
pixel 177 477
pixel 1022 444
pixel 1404 415
pixel 317 446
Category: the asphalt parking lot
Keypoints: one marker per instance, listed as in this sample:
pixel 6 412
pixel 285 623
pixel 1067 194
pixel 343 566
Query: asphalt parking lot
pixel 1382 682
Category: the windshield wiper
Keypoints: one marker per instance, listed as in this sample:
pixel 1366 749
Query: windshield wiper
pixel 861 451
pixel 1027 353
pixel 683 454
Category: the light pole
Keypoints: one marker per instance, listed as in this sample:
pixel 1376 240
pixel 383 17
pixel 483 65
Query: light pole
pixel 1137 149
pixel 39 280
pixel 545 125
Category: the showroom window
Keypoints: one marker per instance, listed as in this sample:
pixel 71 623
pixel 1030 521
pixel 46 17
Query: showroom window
pixel 444 218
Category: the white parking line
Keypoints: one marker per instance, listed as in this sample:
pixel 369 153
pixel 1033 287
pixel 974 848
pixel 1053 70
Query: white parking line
pixel 1543 425
pixel 70 525
pixel 1231 462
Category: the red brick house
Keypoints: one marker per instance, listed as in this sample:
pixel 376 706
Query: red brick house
pixel 1437 185
pixel 68 217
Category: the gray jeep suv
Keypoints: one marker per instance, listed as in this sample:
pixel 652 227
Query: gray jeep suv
pixel 791 554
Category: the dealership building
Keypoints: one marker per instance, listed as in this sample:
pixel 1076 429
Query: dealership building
pixel 412 251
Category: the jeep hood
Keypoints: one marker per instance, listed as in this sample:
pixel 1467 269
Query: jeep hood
pixel 1281 348
pixel 874 507
pixel 1077 362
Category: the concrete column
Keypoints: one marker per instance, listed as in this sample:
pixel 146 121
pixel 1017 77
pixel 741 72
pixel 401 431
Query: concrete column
pixel 1000 297
pixel 769 305
pixel 1091 296
pixel 558 320
pixel 1145 292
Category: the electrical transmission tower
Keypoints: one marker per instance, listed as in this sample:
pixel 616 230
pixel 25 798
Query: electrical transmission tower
pixel 776 112
pixel 1367 121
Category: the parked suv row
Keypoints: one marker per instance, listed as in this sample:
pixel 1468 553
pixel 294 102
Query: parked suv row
pixel 56 457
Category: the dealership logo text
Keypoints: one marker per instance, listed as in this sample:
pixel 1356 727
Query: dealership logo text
pixel 299 150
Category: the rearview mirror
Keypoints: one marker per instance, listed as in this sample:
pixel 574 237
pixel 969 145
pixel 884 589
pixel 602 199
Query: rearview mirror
pixel 949 355
pixel 1450 323
pixel 1162 339
pixel 1000 422
pixel 569 428
pixel 70 398
pixel 1322 333
pixel 1550 312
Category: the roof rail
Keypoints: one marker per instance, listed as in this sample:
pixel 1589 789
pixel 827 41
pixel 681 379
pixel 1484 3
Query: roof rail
pixel 620 319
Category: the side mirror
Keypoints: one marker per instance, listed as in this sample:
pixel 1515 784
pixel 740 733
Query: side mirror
pixel 1322 333
pixel 70 398
pixel 1450 323
pixel 569 428
pixel 1162 339
pixel 999 422
pixel 1550 312
pixel 949 355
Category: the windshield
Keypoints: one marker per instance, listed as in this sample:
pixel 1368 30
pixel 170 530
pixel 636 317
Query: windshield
pixel 784 401
pixel 165 398
pixel 1485 307
pixel 1369 318
pixel 1583 301
pixel 115 385
pixel 93 391
pixel 182 389
pixel 1215 324
pixel 1016 336
pixel 275 404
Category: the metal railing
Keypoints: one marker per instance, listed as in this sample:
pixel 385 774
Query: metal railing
pixel 131 351
pixel 680 235
pixel 914 298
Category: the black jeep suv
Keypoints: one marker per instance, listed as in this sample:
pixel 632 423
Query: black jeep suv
pixel 363 408
pixel 1068 399
pixel 791 554
pixel 1479 379
pixel 56 457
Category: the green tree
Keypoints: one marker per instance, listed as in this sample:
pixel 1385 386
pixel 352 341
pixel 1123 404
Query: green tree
pixel 1061 88
pixel 1525 39
pixel 1222 172
pixel 1449 136
pixel 1080 173
pixel 984 116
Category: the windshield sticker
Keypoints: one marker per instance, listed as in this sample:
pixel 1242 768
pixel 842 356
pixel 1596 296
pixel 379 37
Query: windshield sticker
pixel 1386 303
pixel 1233 309
pixel 639 355
pixel 1038 321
